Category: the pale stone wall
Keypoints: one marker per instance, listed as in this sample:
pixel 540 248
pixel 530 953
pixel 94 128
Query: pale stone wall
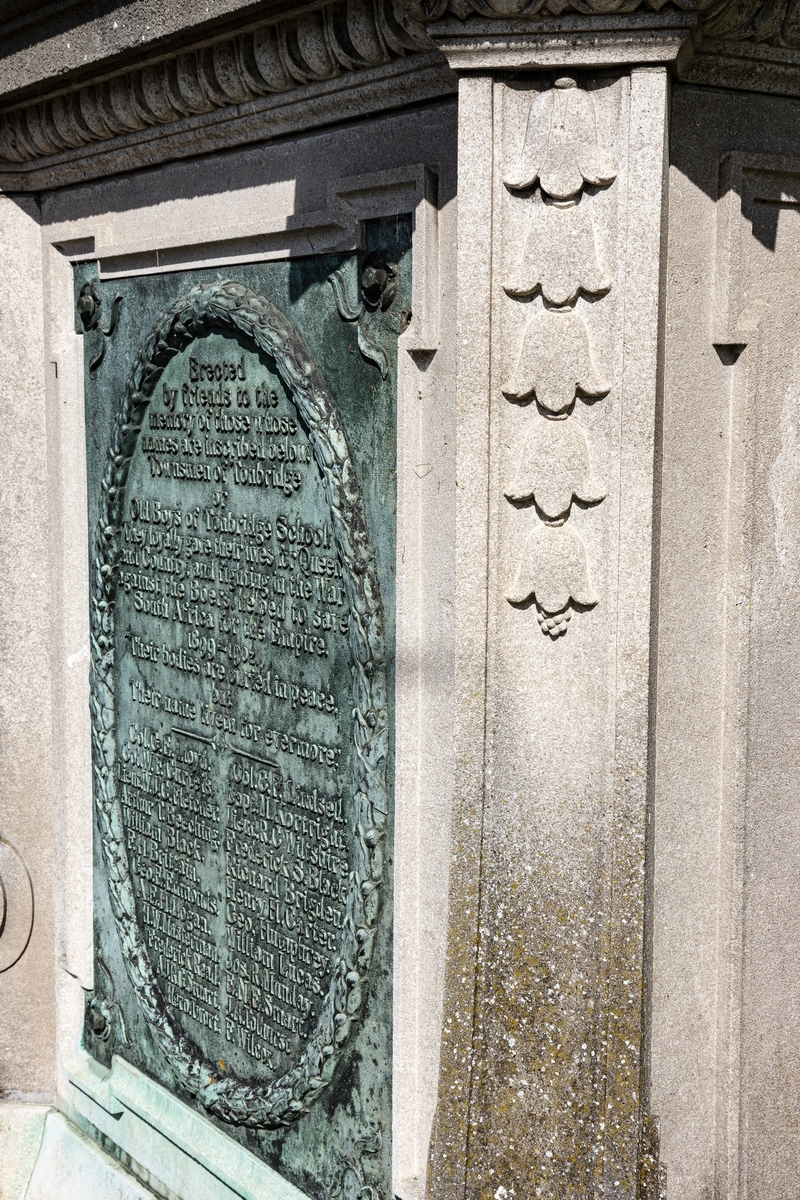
pixel 28 542
pixel 725 1077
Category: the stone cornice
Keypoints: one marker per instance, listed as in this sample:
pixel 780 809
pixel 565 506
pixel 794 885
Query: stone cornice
pixel 415 79
pixel 774 22
pixel 427 12
pixel 571 40
pixel 752 45
pixel 60 44
pixel 274 58
pixel 241 87
pixel 740 63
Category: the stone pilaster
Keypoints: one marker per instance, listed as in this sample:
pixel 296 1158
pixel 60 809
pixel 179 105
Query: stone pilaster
pixel 543 1088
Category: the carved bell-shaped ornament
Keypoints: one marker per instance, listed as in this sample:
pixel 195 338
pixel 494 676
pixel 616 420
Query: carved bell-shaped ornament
pixel 560 147
pixel 560 256
pixel 555 363
pixel 554 468
pixel 553 571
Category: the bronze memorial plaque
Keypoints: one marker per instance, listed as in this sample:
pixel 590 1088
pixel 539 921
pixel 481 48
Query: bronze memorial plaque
pixel 241 465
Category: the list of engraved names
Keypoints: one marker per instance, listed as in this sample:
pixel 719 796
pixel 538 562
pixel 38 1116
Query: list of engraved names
pixel 234 721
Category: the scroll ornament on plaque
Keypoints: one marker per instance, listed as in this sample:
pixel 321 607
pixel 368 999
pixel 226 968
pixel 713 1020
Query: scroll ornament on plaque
pixel 378 288
pixel 555 364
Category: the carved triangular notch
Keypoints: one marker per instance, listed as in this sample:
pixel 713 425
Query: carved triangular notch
pixel 729 352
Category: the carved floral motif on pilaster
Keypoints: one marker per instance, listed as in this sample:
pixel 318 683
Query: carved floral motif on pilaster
pixel 555 468
pixel 555 363
pixel 554 571
pixel 561 150
pixel 560 256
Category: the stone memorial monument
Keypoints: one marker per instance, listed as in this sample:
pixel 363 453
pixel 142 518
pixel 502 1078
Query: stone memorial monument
pixel 401 562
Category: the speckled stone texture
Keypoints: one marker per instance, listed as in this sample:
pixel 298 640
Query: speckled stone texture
pixel 27 989
pixel 726 991
pixel 542 1084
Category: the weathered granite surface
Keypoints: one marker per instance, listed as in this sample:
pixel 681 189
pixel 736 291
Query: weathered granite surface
pixel 724 980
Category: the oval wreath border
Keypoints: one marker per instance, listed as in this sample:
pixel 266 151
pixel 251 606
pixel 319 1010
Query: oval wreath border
pixel 231 306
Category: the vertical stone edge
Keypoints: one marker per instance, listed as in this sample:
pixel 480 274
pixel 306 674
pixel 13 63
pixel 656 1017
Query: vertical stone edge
pixel 28 987
pixel 447 1167
pixel 633 1139
pixel 69 584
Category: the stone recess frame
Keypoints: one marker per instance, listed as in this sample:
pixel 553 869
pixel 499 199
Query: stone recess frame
pixel 744 180
pixel 351 200
pixel 124 1106
pixel 230 306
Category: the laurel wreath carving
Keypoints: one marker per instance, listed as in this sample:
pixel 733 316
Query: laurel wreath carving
pixel 230 306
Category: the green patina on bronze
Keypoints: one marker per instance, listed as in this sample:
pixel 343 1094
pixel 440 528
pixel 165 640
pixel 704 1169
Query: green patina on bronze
pixel 241 469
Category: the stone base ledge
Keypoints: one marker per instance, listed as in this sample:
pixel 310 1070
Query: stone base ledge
pixel 177 1152
pixel 22 1127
